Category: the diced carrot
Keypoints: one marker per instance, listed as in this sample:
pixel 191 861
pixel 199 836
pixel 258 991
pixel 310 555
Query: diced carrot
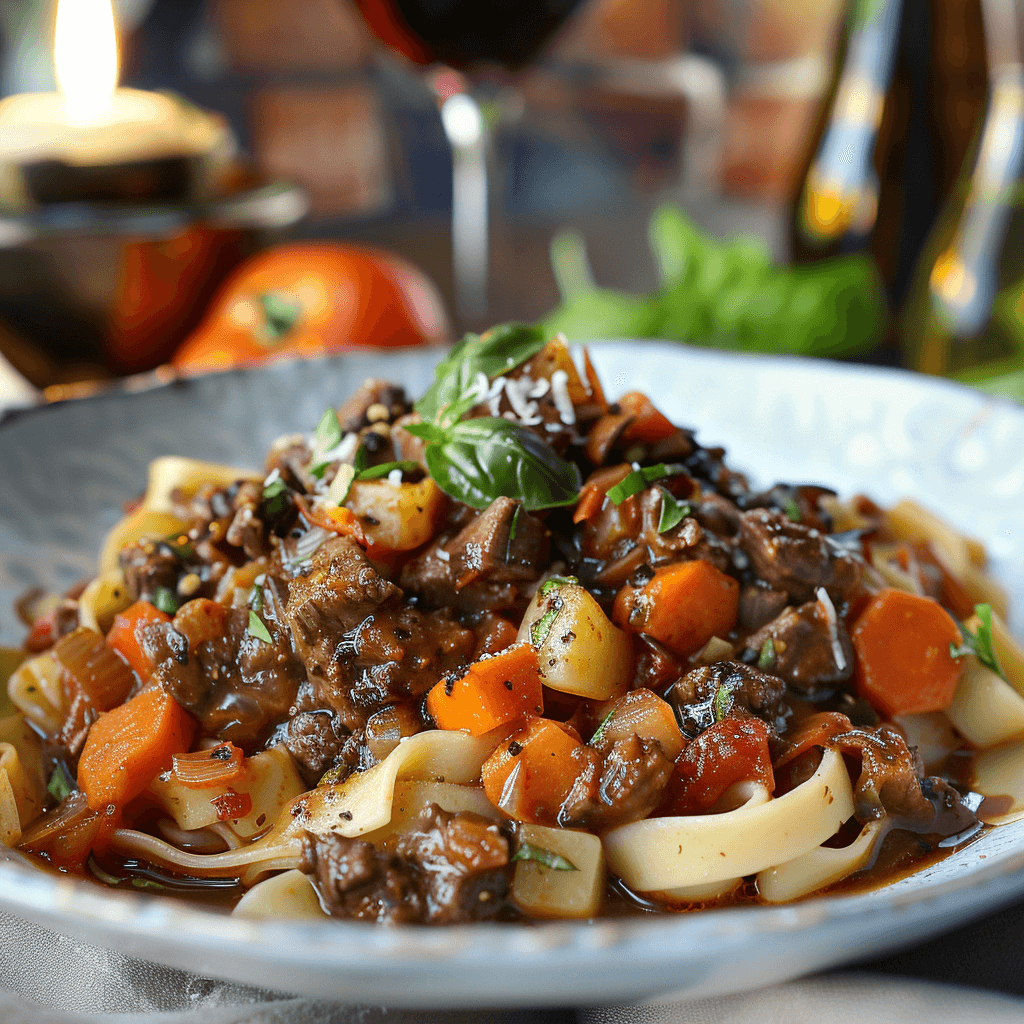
pixel 128 746
pixel 497 689
pixel 904 665
pixel 596 488
pixel 648 424
pixel 339 520
pixel 124 639
pixel 530 775
pixel 732 750
pixel 814 731
pixel 682 607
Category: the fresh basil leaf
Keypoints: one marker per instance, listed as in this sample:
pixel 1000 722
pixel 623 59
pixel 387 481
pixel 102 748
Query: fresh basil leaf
pixel 376 472
pixel 274 488
pixel 258 629
pixel 766 659
pixel 640 479
pixel 499 351
pixel 60 786
pixel 255 601
pixel 980 644
pixel 545 858
pixel 556 583
pixel 429 432
pixel 482 459
pixel 165 600
pixel 672 512
pixel 792 509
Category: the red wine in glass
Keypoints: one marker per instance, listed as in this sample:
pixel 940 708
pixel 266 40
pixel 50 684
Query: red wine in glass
pixel 466 33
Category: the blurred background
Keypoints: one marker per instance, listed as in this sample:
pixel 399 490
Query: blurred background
pixel 834 179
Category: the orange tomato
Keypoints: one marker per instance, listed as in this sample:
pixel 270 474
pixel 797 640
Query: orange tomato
pixel 309 298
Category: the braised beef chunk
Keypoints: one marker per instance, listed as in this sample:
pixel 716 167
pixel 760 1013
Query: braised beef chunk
pixel 486 565
pixel 795 558
pixel 315 735
pixel 892 782
pixel 448 869
pixel 809 649
pixel 711 692
pixel 236 684
pixel 246 530
pixel 340 592
pixel 759 604
pixel 623 782
pixel 149 567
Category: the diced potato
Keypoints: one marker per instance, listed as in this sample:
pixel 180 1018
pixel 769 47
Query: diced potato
pixel 985 709
pixel 549 892
pixel 397 516
pixel 581 652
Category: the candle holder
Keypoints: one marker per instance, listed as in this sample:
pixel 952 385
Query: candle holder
pixel 94 289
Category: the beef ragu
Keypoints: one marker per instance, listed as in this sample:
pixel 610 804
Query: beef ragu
pixel 513 651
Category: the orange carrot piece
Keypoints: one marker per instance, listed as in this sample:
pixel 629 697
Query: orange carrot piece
pixel 128 746
pixel 732 750
pixel 682 607
pixel 497 689
pixel 596 488
pixel 530 775
pixel 124 639
pixel 648 425
pixel 814 731
pixel 594 382
pixel 903 662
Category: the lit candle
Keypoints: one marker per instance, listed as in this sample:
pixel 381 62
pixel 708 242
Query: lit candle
pixel 64 145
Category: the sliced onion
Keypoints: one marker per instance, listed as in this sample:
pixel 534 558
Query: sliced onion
pixel 104 678
pixel 205 769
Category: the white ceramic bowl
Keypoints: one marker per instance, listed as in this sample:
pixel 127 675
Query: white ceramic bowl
pixel 67 469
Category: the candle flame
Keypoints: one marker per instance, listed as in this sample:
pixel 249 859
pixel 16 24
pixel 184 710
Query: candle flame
pixel 85 56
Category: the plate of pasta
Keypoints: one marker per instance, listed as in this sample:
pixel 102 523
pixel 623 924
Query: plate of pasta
pixel 513 674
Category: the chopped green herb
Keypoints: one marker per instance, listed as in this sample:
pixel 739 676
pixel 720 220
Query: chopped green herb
pixel 385 468
pixel 181 546
pixel 723 702
pixel 341 484
pixel 514 525
pixel 640 479
pixel 545 858
pixel 258 629
pixel 553 583
pixel 599 731
pixel 281 313
pixel 274 488
pixel 672 512
pixel 792 509
pixel 255 601
pixel 979 644
pixel 540 629
pixel 165 600
pixel 359 462
pixel 147 883
pixel 60 785
pixel 104 876
pixel 328 437
pixel 766 659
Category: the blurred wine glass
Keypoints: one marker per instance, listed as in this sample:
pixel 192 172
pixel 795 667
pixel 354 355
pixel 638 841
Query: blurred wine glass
pixel 469 52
